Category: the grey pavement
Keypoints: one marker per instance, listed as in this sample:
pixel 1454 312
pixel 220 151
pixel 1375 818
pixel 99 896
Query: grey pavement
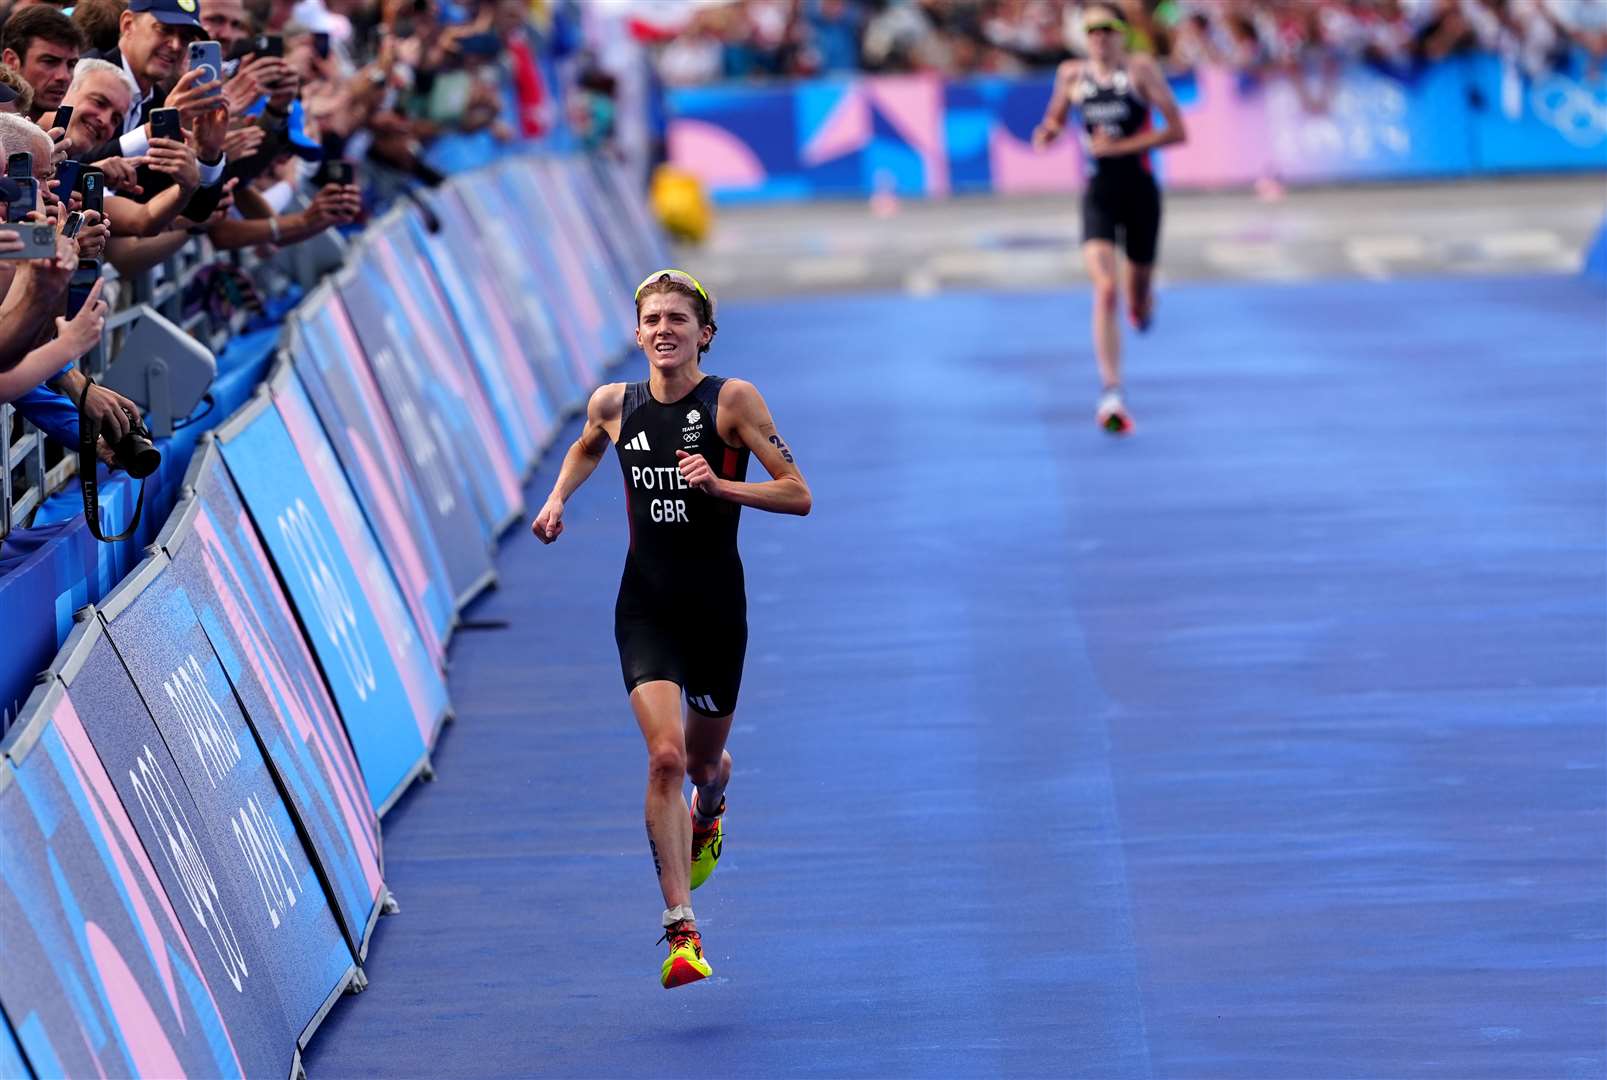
pixel 1511 226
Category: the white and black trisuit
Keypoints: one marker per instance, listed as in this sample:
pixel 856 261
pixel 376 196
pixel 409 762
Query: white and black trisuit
pixel 682 612
pixel 1121 193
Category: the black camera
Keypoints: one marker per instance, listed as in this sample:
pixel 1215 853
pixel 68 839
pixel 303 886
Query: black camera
pixel 135 453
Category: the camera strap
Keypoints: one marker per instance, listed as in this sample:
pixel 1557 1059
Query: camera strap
pixel 88 483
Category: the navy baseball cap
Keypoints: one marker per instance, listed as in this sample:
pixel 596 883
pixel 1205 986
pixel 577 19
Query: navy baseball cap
pixel 171 12
pixel 7 95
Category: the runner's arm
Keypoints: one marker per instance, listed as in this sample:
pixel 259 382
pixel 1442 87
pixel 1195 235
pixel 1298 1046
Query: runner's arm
pixel 1054 115
pixel 1151 83
pixel 786 492
pixel 602 414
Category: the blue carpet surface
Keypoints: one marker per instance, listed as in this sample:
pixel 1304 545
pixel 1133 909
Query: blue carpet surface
pixel 1266 743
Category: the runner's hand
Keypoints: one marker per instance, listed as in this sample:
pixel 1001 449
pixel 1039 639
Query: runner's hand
pixel 696 472
pixel 549 524
pixel 1044 134
pixel 1102 145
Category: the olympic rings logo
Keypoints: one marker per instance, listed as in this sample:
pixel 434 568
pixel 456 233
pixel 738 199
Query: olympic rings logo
pixel 1571 110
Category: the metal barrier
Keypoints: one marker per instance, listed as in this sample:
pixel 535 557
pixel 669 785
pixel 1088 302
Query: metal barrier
pixel 32 467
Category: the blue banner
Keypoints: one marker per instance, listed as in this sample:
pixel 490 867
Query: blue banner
pixel 199 862
pixel 284 911
pixel 525 415
pixel 432 568
pixel 922 135
pixel 100 977
pixel 516 277
pixel 251 627
pixel 429 335
pixel 388 689
pixel 429 428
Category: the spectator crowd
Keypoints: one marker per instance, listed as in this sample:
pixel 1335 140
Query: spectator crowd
pixel 746 39
pixel 131 127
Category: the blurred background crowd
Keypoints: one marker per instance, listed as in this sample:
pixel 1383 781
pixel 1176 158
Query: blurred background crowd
pixel 230 130
pixel 755 39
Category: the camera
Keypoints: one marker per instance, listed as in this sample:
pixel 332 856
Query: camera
pixel 135 453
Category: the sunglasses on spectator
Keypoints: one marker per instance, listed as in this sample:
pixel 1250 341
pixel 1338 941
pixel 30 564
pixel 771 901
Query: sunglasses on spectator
pixel 1103 28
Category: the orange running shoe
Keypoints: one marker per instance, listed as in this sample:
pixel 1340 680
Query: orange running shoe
pixel 1112 414
pixel 685 964
pixel 707 843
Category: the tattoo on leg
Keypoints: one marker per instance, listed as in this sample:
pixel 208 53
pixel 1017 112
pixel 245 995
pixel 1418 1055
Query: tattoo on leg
pixel 658 867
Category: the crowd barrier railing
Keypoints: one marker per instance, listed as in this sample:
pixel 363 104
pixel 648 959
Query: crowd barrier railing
pixel 190 798
pixel 923 135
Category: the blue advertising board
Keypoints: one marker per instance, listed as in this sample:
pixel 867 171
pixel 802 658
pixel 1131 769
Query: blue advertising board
pixel 433 568
pixel 285 912
pixel 249 623
pixel 101 977
pixel 388 689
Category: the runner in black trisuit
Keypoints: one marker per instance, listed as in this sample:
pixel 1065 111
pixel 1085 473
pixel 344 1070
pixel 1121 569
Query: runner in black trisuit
pixel 683 440
pixel 1114 93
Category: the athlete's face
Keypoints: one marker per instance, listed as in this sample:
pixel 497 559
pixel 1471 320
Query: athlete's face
pixel 1103 30
pixel 667 330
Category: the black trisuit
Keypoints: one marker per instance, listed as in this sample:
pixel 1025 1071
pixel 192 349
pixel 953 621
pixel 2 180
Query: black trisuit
pixel 1121 193
pixel 682 613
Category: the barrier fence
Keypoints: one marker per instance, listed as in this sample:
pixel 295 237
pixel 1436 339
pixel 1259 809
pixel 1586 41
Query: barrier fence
pixel 191 863
pixel 919 135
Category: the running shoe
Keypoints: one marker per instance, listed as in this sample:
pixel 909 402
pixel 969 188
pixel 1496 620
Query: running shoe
pixel 1142 321
pixel 706 844
pixel 1112 414
pixel 685 963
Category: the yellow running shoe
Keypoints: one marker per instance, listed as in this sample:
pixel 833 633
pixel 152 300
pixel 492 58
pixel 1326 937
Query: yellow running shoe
pixel 685 964
pixel 706 844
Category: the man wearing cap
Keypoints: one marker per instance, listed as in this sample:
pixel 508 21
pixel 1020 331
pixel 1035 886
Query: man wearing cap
pixel 151 48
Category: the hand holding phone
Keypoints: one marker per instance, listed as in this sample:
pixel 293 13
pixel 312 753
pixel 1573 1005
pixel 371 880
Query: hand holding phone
pixel 165 125
pixel 63 118
pixel 38 240
pixel 27 200
pixel 92 183
pixel 208 57
pixel 74 222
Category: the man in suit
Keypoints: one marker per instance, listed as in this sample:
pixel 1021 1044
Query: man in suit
pixel 154 36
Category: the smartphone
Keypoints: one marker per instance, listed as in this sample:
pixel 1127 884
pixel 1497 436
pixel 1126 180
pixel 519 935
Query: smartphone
pixel 208 56
pixel 74 222
pixel 79 285
pixel 93 185
pixel 67 174
pixel 27 200
pixel 269 45
pixel 19 165
pixel 38 240
pixel 64 116
pixel 165 124
pixel 335 172
pixel 320 45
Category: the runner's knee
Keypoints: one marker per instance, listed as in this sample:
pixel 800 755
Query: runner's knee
pixel 666 763
pixel 1105 295
pixel 703 773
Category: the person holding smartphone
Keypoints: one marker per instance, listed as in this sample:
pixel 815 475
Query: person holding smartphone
pixel 683 440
